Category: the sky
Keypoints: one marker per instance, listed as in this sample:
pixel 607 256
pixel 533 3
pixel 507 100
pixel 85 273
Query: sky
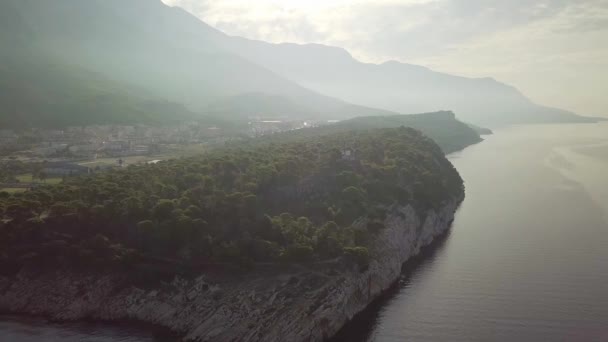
pixel 554 51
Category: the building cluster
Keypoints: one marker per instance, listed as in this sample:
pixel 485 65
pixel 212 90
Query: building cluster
pixel 73 151
pixel 259 127
pixel 65 151
pixel 91 142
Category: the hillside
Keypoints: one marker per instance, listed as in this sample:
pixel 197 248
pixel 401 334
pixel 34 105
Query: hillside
pixel 39 89
pixel 274 242
pixel 167 52
pixel 250 105
pixel 291 201
pixel 280 242
pixel 443 127
pixel 36 92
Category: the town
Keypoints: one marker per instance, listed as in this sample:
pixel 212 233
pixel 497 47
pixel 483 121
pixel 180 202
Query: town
pixel 30 157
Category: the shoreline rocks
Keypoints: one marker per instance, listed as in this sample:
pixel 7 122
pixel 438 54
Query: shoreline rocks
pixel 301 303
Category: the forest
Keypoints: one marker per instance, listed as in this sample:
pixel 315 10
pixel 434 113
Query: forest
pixel 312 199
pixel 443 127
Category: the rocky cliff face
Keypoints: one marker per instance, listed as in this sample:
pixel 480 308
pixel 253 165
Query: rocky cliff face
pixel 299 303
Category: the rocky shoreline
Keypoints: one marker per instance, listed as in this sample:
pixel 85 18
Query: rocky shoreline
pixel 300 303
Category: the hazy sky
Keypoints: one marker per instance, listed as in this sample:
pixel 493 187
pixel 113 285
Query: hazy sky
pixel 555 51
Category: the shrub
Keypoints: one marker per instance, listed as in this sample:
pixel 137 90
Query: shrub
pixel 299 253
pixel 358 255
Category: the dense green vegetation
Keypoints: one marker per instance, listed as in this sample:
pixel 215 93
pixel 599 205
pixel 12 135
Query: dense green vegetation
pixel 311 199
pixel 443 127
pixel 10 171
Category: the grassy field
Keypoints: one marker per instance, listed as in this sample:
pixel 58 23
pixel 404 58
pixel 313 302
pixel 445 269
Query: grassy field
pixel 187 151
pixel 114 161
pixel 174 152
pixel 13 190
pixel 27 178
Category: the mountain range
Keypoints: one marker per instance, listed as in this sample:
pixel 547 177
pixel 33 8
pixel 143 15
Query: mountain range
pixel 398 87
pixel 140 60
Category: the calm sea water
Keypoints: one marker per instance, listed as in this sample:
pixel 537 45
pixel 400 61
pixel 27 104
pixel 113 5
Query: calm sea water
pixel 526 260
pixel 20 329
pixel 527 257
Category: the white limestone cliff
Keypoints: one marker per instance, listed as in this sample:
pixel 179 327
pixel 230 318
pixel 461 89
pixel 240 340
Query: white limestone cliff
pixel 296 303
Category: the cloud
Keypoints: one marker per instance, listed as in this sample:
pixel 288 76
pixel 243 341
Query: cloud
pixel 550 49
pixel 559 59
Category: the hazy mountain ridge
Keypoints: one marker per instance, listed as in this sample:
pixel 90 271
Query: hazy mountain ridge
pixel 177 58
pixel 396 86
pixel 136 42
pixel 38 89
pixel 37 92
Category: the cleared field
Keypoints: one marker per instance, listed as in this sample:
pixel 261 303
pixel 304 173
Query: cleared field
pixel 27 178
pixel 13 190
pixel 176 151
pixel 105 162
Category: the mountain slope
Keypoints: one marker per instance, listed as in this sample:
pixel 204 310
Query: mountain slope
pixel 449 133
pixel 38 92
pixel 443 127
pixel 176 57
pixel 37 89
pixel 263 105
pixel 162 49
pixel 398 87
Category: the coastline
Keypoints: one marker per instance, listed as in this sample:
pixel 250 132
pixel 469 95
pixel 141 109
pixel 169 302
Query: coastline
pixel 135 328
pixel 359 327
pixel 303 305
